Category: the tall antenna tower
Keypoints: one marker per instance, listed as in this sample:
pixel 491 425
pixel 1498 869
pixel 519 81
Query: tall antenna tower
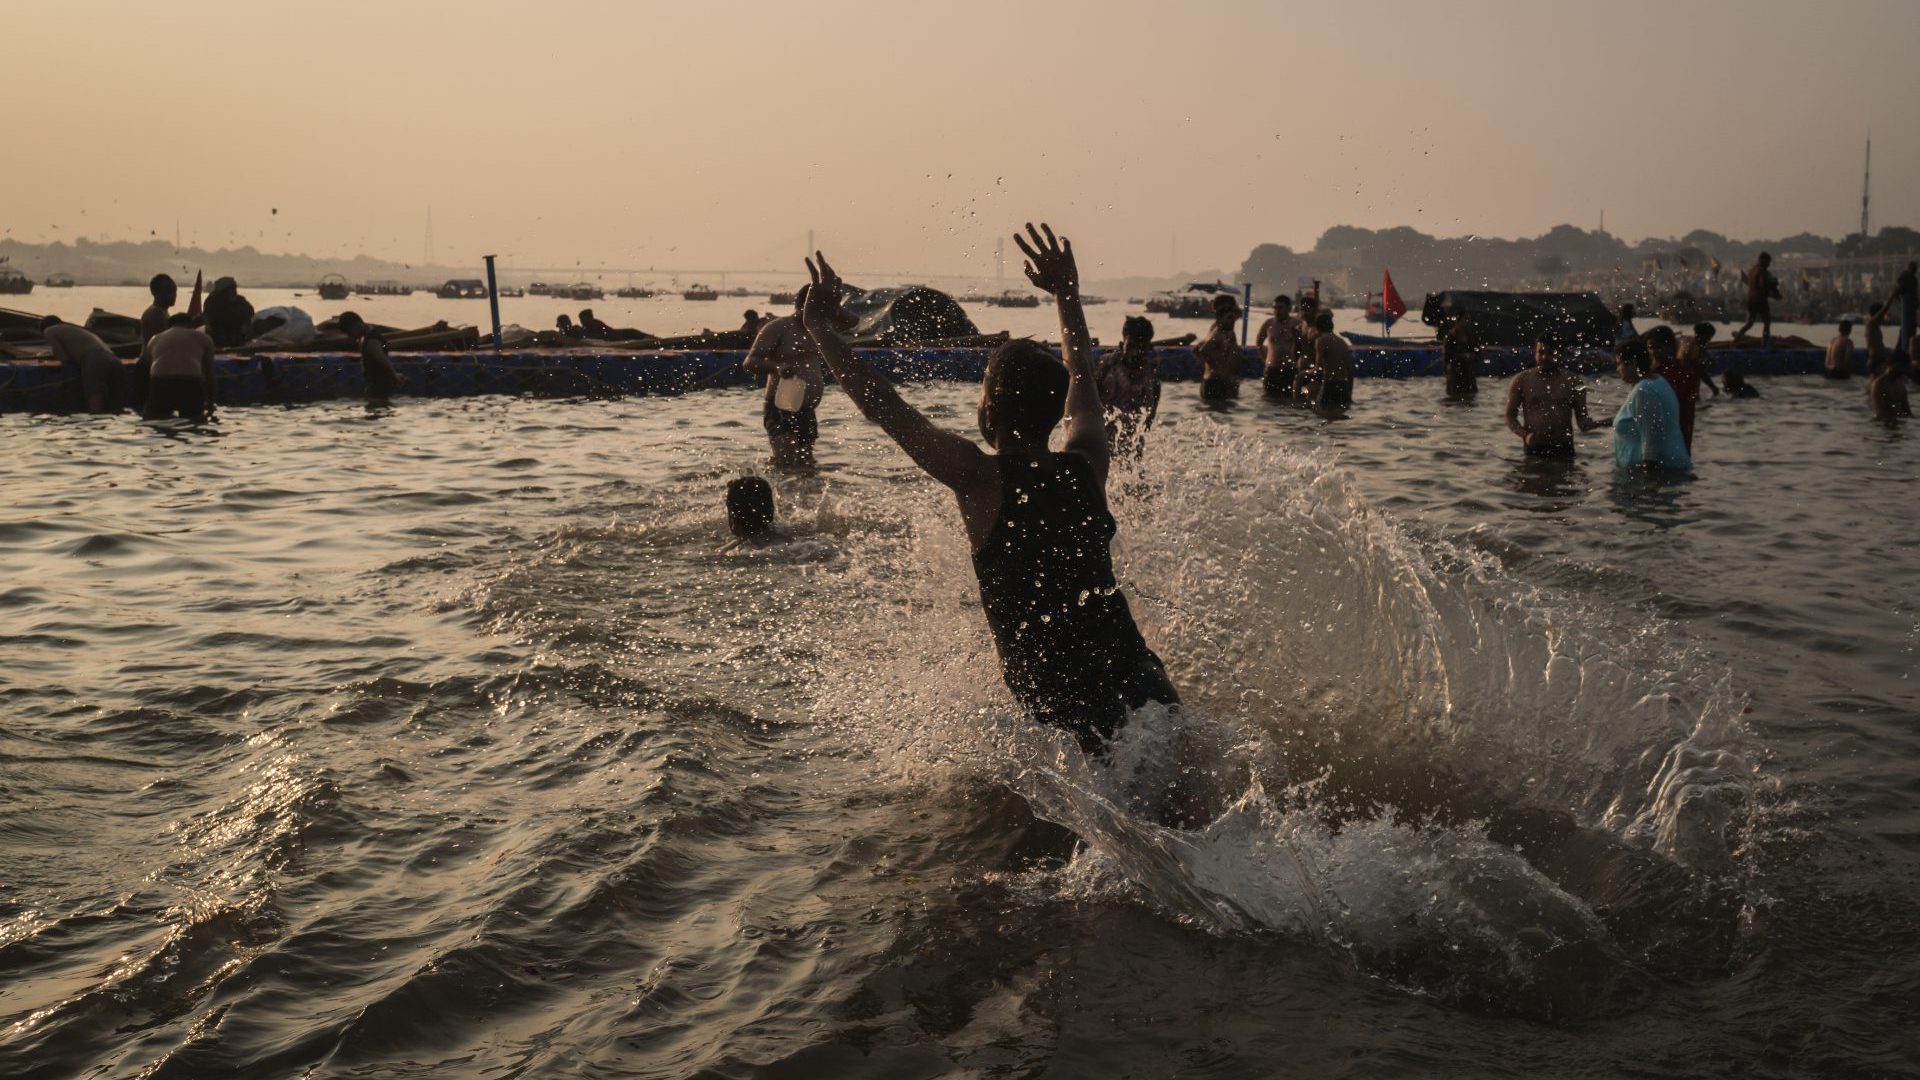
pixel 1866 187
pixel 429 255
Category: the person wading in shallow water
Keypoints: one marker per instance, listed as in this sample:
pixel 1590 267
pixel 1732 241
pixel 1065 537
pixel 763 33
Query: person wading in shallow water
pixel 375 365
pixel 1543 403
pixel 1129 381
pixel 784 353
pixel 181 359
pixel 1279 342
pixel 1037 521
pixel 1219 353
pixel 1460 358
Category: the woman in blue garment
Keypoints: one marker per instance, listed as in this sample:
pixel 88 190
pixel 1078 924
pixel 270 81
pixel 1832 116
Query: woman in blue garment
pixel 1646 430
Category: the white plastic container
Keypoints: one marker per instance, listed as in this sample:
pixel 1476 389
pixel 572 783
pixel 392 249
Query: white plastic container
pixel 790 395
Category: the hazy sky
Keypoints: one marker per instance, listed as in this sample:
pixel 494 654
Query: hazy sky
pixel 704 134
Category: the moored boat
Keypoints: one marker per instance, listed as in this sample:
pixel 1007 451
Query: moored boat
pixel 1015 300
pixel 462 289
pixel 14 283
pixel 783 299
pixel 333 287
pixel 59 281
pixel 699 292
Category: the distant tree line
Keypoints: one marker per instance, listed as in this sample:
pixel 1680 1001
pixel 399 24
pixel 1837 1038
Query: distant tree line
pixel 1352 258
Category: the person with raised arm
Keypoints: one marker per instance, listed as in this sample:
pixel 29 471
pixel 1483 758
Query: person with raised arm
pixel 1036 519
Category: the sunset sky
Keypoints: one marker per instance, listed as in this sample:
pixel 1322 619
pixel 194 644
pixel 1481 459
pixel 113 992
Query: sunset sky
pixel 714 135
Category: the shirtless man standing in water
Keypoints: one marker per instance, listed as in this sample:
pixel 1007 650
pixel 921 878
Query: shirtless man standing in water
pixel 782 351
pixel 1545 401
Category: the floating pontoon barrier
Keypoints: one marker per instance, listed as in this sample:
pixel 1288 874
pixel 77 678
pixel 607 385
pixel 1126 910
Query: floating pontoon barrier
pixel 306 377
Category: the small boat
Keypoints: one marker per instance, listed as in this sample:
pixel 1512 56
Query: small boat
pixel 976 297
pixel 539 288
pixel 783 299
pixel 383 288
pixel 581 291
pixel 509 290
pixel 738 290
pixel 14 283
pixel 333 287
pixel 462 289
pixel 1088 300
pixel 1195 303
pixel 59 281
pixel 699 292
pixel 633 292
pixel 1014 300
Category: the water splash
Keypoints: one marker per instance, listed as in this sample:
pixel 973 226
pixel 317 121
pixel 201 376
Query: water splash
pixel 1408 753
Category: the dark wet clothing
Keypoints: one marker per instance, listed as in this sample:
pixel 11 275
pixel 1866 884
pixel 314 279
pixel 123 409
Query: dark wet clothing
pixel 802 426
pixel 176 395
pixel 1551 450
pixel 1219 389
pixel 1335 396
pixel 1279 381
pixel 1069 649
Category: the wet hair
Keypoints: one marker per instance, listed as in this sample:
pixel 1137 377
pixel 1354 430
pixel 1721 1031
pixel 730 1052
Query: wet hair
pixel 1282 300
pixel 1626 311
pixel 181 318
pixel 751 315
pixel 1846 325
pixel 749 506
pixel 1704 331
pixel 586 313
pixel 163 283
pixel 563 320
pixel 1223 303
pixel 1550 344
pixel 1766 258
pixel 1663 337
pixel 1323 322
pixel 1024 391
pixel 49 320
pixel 1635 354
pixel 1309 302
pixel 1137 328
pixel 351 322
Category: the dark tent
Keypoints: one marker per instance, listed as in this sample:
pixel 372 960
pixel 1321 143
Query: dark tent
pixel 1519 319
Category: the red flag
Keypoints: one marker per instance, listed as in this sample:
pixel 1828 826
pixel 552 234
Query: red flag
pixel 1390 301
pixel 193 306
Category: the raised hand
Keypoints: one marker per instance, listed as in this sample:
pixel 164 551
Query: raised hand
pixel 1050 263
pixel 822 305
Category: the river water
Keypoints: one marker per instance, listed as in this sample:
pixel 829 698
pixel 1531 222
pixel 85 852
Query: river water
pixel 447 742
